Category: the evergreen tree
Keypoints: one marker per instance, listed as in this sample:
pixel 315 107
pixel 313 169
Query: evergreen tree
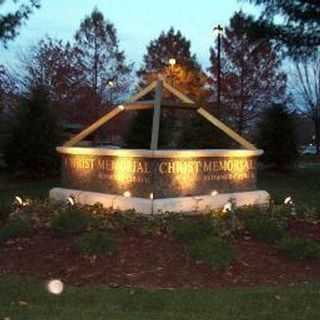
pixel 185 75
pixel 10 22
pixel 294 23
pixel 35 135
pixel 251 75
pixel 277 137
pixel 101 61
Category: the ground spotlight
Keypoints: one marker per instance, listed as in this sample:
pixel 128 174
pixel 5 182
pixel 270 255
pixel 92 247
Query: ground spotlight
pixel 55 287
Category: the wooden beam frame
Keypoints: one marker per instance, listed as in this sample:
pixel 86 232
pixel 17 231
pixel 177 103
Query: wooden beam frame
pixel 156 104
pixel 143 92
pixel 228 131
pixel 138 106
pixel 178 105
pixel 156 117
pixel 177 93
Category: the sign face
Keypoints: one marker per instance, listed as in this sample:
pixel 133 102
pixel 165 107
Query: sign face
pixel 162 177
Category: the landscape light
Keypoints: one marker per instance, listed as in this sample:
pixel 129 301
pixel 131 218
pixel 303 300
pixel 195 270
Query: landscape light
pixel 214 193
pixel 111 83
pixel 288 200
pixel 121 107
pixel 127 194
pixel 55 287
pixel 172 61
pixel 227 207
pixel 71 201
pixel 19 202
pixel 151 196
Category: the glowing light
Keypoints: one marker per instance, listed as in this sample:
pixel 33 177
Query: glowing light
pixel 71 201
pixel 151 196
pixel 55 287
pixel 19 201
pixel 214 193
pixel 121 107
pixel 227 207
pixel 172 61
pixel 110 83
pixel 288 200
pixel 127 194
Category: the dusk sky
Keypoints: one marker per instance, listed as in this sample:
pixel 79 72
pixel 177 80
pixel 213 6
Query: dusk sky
pixel 137 22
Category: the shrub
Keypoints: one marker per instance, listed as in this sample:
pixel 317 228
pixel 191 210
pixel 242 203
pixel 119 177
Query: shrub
pixel 192 229
pixel 36 132
pixel 265 228
pixel 300 249
pixel 4 213
pixel 213 250
pixel 16 228
pixel 70 221
pixel 96 242
pixel 276 122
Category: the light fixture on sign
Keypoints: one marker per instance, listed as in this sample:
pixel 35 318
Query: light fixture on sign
pixel 127 194
pixel 288 200
pixel 71 201
pixel 227 207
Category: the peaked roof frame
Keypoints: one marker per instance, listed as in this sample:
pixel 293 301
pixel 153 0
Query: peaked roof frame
pixel 136 104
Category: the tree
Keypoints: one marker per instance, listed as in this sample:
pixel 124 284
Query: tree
pixel 101 61
pixel 306 89
pixel 11 22
pixel 251 78
pixel 7 89
pixel 277 137
pixel 185 74
pixel 293 23
pixel 52 64
pixel 31 150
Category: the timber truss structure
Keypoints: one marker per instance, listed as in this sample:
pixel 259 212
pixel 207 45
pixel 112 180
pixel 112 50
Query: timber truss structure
pixel 135 103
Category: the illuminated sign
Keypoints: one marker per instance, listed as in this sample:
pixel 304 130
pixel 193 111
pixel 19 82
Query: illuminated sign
pixel 172 177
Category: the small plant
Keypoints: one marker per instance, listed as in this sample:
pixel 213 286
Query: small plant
pixel 265 228
pixel 300 249
pixel 96 242
pixel 191 229
pixel 70 220
pixel 16 227
pixel 213 250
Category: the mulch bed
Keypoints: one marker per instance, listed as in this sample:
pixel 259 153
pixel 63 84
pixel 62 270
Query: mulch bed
pixel 156 261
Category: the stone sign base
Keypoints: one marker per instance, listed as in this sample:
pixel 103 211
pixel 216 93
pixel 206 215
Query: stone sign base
pixel 196 204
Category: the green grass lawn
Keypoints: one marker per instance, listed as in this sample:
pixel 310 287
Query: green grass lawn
pixel 9 188
pixel 303 185
pixel 26 299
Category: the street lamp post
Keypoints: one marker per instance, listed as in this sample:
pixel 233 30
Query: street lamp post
pixel 219 31
pixel 172 63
